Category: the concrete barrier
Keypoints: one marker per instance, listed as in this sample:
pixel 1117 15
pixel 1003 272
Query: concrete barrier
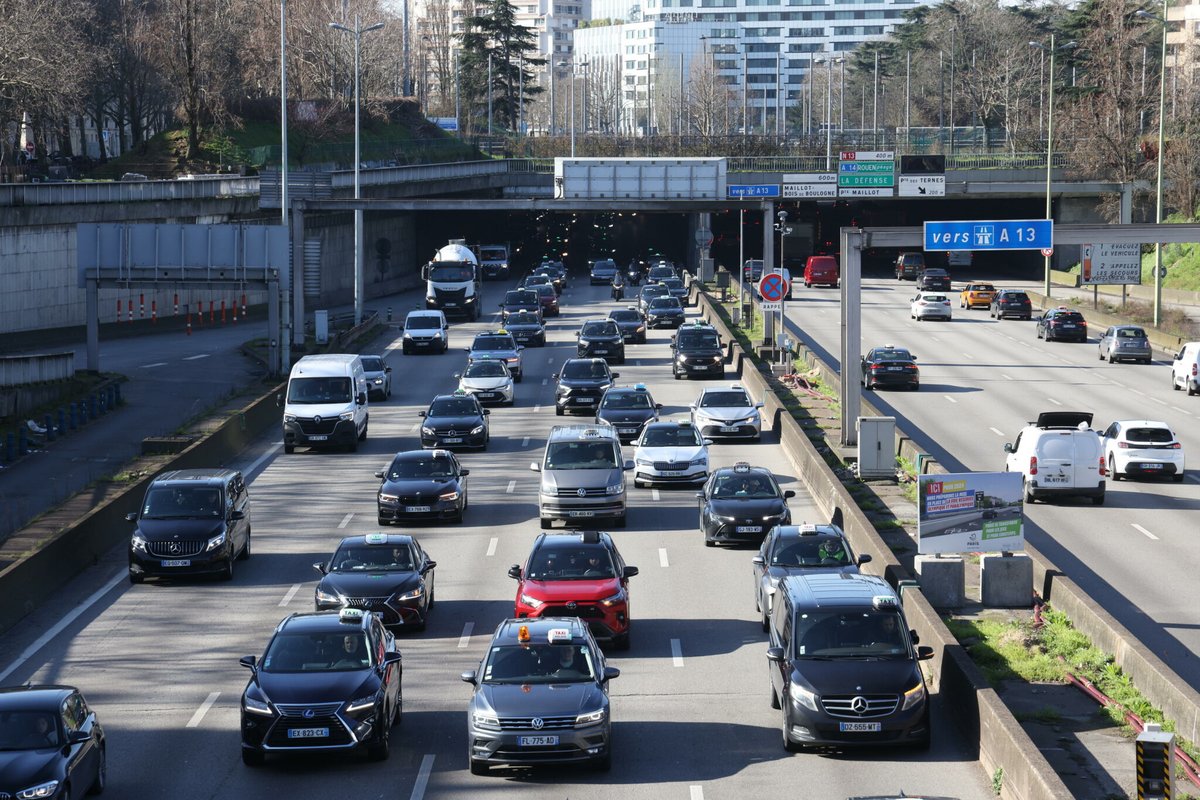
pixel 1097 320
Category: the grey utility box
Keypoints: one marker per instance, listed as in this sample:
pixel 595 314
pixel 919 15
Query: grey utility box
pixel 321 326
pixel 876 447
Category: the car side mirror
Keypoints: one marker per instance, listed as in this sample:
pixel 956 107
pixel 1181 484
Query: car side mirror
pixel 924 653
pixel 913 356
pixel 487 411
pixel 577 334
pixel 468 677
pixel 707 442
pixel 758 405
pixel 536 467
pixel 789 493
pixel 379 474
pixel 320 567
pixel 758 561
pixel 361 399
pixel 615 375
pixel 658 406
pixel 1037 318
pixel 699 495
pixel 391 658
pixel 864 558
pixel 628 465
pixel 630 572
pixel 466 349
pixel 1008 448
pixel 387 370
pixel 421 414
pixel 775 654
pixel 131 516
pixel 78 737
pixel 611 672
pixel 464 473
pixel 249 662
pixel 457 375
pixel 279 399
pixel 236 514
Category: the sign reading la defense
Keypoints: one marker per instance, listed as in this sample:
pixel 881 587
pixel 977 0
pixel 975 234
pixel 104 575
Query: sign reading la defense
pixel 1000 234
pixel 970 512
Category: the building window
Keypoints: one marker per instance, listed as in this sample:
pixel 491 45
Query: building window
pixel 806 33
pixel 762 33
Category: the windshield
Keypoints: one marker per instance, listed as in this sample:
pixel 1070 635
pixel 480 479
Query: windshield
pixel 626 400
pixel 628 315
pixel 419 468
pixel 1131 333
pixel 654 291
pixel 981 287
pixel 599 329
pixel 486 369
pixel 519 298
pixel 744 486
pixel 493 343
pixel 453 407
pixel 892 355
pixel 581 455
pixel 706 340
pixel 933 298
pixel 1020 297
pixel 604 264
pixel 850 634
pixel 537 279
pixel 183 501
pixel 493 253
pixel 810 551
pixel 725 400
pixel 673 283
pixel 317 652
pixel 372 558
pixel 315 391
pixel 576 370
pixel 422 323
pixel 539 663
pixel 562 564
pixel 372 364
pixel 545 290
pixel 451 273
pixel 671 437
pixel 28 730
pixel 663 303
pixel 522 318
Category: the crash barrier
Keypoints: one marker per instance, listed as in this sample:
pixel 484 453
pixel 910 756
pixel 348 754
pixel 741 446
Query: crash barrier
pixel 1097 321
pixel 1001 742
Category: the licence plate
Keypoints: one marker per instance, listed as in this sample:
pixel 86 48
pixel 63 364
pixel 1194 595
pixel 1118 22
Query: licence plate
pixel 1055 478
pixel 308 733
pixel 626 430
pixel 895 369
pixel 581 513
pixel 1068 325
pixel 671 473
pixel 318 438
pixel 586 400
pixel 453 440
pixel 860 727
pixel 417 509
pixel 699 367
pixel 1151 466
pixel 601 351
pixel 450 305
pixel 729 428
pixel 749 528
pixel 485 395
pixel 537 741
pixel 178 562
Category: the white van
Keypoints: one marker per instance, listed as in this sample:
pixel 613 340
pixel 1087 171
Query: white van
pixel 1185 369
pixel 326 403
pixel 1060 456
pixel 425 332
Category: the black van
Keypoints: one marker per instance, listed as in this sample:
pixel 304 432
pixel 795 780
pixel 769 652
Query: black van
pixel 844 665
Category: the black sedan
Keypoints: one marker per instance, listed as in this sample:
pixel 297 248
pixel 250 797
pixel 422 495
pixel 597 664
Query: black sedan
pixel 677 289
pixel 1062 323
pixel 1011 303
pixel 648 293
pixel 388 574
pixel 422 485
pixel 601 338
pixel 51 744
pixel 329 680
pixel 796 550
pixel 630 323
pixel 455 420
pixel 519 300
pixel 526 328
pixel 581 384
pixel 891 367
pixel 740 504
pixel 664 312
pixel 628 410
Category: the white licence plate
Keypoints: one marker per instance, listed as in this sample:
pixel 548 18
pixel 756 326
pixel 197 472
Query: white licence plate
pixel 626 430
pixel 586 400
pixel 581 513
pixel 1054 478
pixel 1151 466
pixel 451 305
pixel 1068 325
pixel 749 528
pixel 178 562
pixel 699 367
pixel 601 351
pixel 485 395
pixel 318 438
pixel 860 727
pixel 537 741
pixel 895 369
pixel 308 733
pixel 671 473
pixel 417 509
pixel 729 428
pixel 453 440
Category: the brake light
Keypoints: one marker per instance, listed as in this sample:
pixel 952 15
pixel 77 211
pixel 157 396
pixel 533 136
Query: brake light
pixel 1176 445
pixel 1033 465
pixel 1103 468
pixel 1122 444
pixel 1193 370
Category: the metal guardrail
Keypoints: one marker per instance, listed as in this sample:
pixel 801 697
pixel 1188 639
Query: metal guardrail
pixel 46 194
pixel 24 370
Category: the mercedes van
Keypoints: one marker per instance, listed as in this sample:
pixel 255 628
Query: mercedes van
pixel 1060 456
pixel 326 403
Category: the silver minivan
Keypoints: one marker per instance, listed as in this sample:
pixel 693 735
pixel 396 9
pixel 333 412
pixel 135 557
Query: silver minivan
pixel 583 476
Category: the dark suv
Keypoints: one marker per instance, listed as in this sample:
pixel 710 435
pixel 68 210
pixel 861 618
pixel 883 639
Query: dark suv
pixel 602 338
pixel 1011 303
pixel 193 521
pixel 932 279
pixel 1062 323
pixel 696 351
pixel 581 384
pixel 909 265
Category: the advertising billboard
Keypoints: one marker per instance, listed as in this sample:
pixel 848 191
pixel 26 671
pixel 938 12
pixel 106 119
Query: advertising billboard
pixel 970 512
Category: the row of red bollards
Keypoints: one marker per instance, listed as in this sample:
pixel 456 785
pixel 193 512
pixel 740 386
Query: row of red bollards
pixel 229 313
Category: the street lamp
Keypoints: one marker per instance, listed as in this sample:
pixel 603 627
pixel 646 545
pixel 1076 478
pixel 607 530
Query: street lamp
pixel 572 65
pixel 284 339
pixel 784 231
pixel 1158 194
pixel 829 106
pixel 1049 133
pixel 357 31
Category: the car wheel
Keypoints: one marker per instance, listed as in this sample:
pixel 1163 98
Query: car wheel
pixel 405 350
pixel 289 449
pixel 517 378
pixel 101 781
pixel 922 743
pixel 227 573
pixel 604 762
pixel 253 758
pixel 1174 385
pixel 1177 477
pixel 766 619
pixel 353 446
pixel 383 522
pixel 709 542
pixel 774 695
pixel 381 747
pixel 1191 389
pixel 558 412
pixel 1029 498
pixel 622 642
pixel 246 550
pixel 1112 469
pixel 870 387
pixel 619 522
pixel 1101 354
pixel 478 767
pixel 136 578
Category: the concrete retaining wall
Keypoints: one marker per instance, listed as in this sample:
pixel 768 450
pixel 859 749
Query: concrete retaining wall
pixel 23 370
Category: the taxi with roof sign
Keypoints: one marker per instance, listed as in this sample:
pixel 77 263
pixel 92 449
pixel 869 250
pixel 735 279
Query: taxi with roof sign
pixel 500 345
pixel 627 410
pixel 540 697
pixel 741 503
pixel 390 575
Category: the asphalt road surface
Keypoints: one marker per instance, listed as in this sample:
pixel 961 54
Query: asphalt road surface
pixel 691 713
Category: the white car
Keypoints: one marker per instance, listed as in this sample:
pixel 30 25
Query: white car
pixel 670 452
pixel 930 305
pixel 1142 447
pixel 489 380
pixel 727 412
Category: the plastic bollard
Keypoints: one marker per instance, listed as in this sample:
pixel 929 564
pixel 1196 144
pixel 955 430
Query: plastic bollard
pixel 10 448
pixel 74 416
pixel 62 421
pixel 48 424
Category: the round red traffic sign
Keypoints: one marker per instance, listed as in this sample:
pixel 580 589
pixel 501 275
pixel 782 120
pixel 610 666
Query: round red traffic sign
pixel 29 146
pixel 772 287
pixel 1047 251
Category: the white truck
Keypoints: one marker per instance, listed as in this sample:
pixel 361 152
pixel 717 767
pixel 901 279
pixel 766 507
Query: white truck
pixel 452 280
pixel 493 260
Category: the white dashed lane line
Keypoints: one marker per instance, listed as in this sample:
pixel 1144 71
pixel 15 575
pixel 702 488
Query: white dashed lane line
pixel 155 364
pixel 1147 533
pixel 198 717
pixel 491 551
pixel 193 358
pixel 545 381
pixel 536 409
pixel 997 432
pixel 951 399
pixel 1052 400
pixel 654 495
pixel 512 486
pixel 662 557
pixel 287 598
pixel 676 653
pixel 422 781
pixel 525 442
pixel 346 520
pixel 695 793
pixel 464 641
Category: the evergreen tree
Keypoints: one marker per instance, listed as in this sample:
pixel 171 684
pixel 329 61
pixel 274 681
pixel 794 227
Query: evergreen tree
pixel 511 46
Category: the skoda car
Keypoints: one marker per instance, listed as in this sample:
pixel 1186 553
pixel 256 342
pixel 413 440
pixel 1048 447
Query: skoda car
pixel 540 697
pixel 601 338
pixel 455 420
pixel 489 380
pixel 51 743
pixel 422 485
pixel 664 312
pixel 740 504
pixel 577 575
pixel 499 345
pixel 630 323
pixel 727 412
pixel 1062 323
pixel 890 366
pixel 390 575
pixel 379 377
pixel 670 452
pixel 627 410
pixel 526 328
pixel 696 352
pixel 329 680
pixel 581 384
pixel 796 550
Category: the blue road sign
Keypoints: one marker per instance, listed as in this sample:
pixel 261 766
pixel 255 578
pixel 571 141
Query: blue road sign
pixel 1000 234
pixel 754 190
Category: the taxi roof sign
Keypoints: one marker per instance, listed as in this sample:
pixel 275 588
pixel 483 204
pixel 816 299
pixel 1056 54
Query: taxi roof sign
pixel 741 466
pixel 352 615
pixel 883 601
pixel 376 538
pixel 558 635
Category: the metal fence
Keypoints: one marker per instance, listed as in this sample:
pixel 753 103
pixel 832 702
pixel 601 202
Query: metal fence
pixel 24 370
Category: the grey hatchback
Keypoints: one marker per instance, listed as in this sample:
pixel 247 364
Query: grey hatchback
pixel 1125 343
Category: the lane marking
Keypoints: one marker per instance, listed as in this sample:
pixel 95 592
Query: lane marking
pixel 198 717
pixel 998 433
pixel 258 461
pixel 193 358
pixel 491 551
pixel 654 494
pixel 536 409
pixel 422 777
pixel 155 364
pixel 287 598
pixel 1138 391
pixel 695 793
pixel 550 360
pixel 951 399
pixel 1160 402
pixel 1005 377
pixel 59 626
pixel 525 442
pixel 416 426
pixel 464 641
pixel 512 485
pixel 968 355
pixel 1052 400
pixel 662 557
pixel 934 338
pixel 676 653
pixel 545 381
pixel 345 520
pixel 1148 534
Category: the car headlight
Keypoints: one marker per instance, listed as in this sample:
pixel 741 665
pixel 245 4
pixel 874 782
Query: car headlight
pixel 432 298
pixel 485 721
pixel 513 359
pixel 594 718
pixel 476 430
pixel 379 381
pixel 616 488
pixel 388 498
pixel 612 600
pixel 412 594
pixel 138 542
pixel 561 391
pixel 532 602
pixel 585 342
pixel 448 496
pixel 215 542
pixel 644 462
pixel 426 431
pixel 408 335
pixel 253 706
pixel 702 461
pixel 641 329
pixel 360 704
pixel 803 697
pixel 913 696
pixel 46 789
pixel 289 417
pixel 327 597
pixel 346 416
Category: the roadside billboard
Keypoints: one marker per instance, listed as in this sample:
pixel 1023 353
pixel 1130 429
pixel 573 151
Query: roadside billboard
pixel 970 512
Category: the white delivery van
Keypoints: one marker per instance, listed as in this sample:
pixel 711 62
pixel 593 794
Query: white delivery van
pixel 1185 369
pixel 326 403
pixel 1060 456
pixel 425 332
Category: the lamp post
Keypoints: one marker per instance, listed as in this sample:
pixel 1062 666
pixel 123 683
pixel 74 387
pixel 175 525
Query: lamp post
pixel 829 109
pixel 784 230
pixel 284 335
pixel 357 31
pixel 1158 193
pixel 1052 49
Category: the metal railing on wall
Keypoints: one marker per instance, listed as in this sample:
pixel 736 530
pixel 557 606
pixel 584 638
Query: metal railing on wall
pixel 46 194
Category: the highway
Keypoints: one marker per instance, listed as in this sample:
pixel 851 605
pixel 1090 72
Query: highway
pixel 691 713
pixel 982 380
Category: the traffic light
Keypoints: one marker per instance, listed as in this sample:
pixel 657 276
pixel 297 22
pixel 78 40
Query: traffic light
pixel 1155 763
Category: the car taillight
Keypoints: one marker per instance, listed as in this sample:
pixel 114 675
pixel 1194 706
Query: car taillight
pixel 1193 370
pixel 1033 465
pixel 1176 445
pixel 1103 468
pixel 912 367
pixel 1122 444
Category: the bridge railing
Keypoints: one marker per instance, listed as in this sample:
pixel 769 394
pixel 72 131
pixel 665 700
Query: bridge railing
pixel 200 188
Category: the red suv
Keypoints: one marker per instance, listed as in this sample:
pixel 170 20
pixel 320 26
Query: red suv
pixel 821 269
pixel 577 574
